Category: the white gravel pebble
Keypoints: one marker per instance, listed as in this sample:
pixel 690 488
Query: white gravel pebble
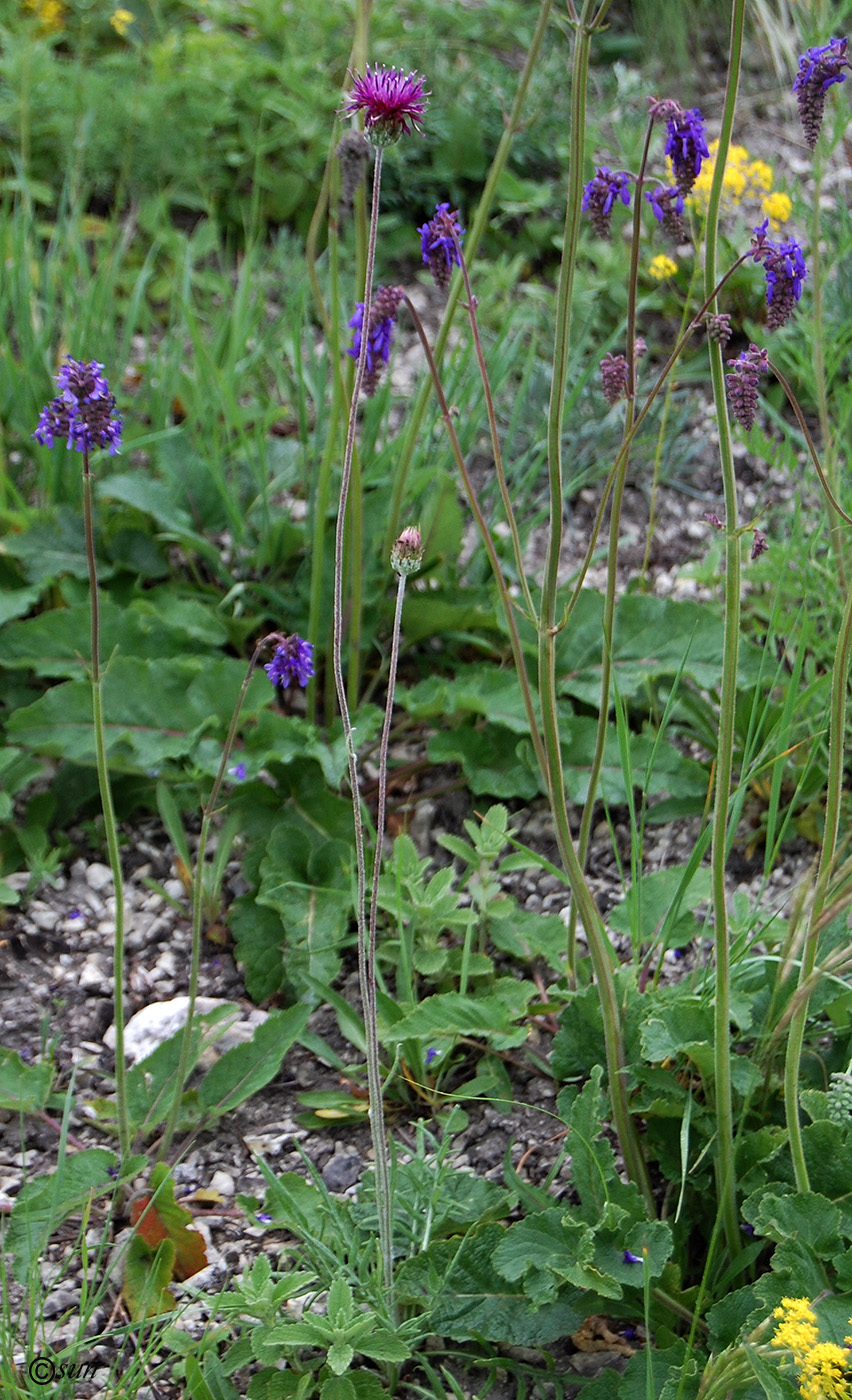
pixel 98 876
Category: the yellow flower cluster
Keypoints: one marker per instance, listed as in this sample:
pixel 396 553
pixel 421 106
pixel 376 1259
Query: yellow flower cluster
pixel 49 13
pixel 822 1366
pixel 121 21
pixel 662 267
pixel 746 181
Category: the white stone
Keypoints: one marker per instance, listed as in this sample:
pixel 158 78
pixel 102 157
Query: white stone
pixel 91 977
pixel 222 1182
pixel 153 1025
pixel 98 876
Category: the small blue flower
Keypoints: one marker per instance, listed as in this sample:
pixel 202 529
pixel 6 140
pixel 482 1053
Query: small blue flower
pixel 239 772
pixel 293 659
pixel 380 324
pixel 632 1258
pixel 430 1056
pixel 262 1216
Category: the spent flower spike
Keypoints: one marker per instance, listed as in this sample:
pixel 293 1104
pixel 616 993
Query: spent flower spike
pixel 393 103
pixel 292 660
pixel 819 69
pixel 600 194
pixel 439 241
pixel 82 413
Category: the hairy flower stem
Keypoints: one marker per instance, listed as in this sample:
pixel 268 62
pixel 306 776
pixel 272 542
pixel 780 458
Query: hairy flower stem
pixel 382 791
pixel 599 946
pixel 473 237
pixel 725 1170
pixel 833 798
pixel 110 829
pixel 492 427
pixel 488 542
pixel 608 621
pixel 368 990
pixel 207 814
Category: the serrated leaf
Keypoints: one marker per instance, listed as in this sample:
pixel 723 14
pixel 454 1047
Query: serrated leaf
pixel 382 1345
pixel 450 1014
pixel 338 1388
pixel 340 1356
pixel 45 1201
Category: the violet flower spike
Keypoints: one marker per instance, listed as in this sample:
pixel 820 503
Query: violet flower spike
pixel 292 660
pixel 743 382
pixel 83 412
pixel 600 194
pixel 667 205
pixel 819 69
pixel 380 324
pixel 439 242
pixel 785 269
pixel 686 147
pixel 392 102
pixel 614 378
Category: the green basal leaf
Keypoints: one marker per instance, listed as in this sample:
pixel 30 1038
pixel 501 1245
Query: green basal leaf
pixel 23 1088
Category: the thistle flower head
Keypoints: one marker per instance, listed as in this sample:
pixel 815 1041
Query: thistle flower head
pixel 393 103
pixel 82 413
pixel 819 69
pixel 292 660
pixel 407 553
pixel 686 147
pixel 380 324
pixel 439 241
pixel 743 382
pixel 785 269
pixel 600 194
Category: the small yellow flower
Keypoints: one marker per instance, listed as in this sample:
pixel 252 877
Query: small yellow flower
pixel 49 13
pixel 824 1373
pixel 121 21
pixel 777 206
pixel 797 1330
pixel 662 267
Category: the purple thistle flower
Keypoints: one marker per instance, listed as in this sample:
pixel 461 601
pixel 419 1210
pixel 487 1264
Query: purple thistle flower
pixel 393 103
pixel 614 378
pixel 82 413
pixel 743 382
pixel 784 265
pixel 667 204
pixel 293 660
pixel 686 147
pixel 600 194
pixel 380 324
pixel 439 241
pixel 818 69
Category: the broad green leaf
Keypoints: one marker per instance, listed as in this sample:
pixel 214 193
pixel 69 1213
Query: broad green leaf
pixel 339 1388
pixel 23 1088
pixel 671 773
pixel 471 690
pixel 491 759
pixel 340 1356
pixel 470 1300
pixel 147 1276
pixel 382 1345
pixel 246 1069
pixel 649 901
pixel 16 602
pixel 453 1014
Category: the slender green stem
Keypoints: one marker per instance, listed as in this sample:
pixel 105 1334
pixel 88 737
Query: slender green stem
pixel 207 814
pixel 487 540
pixel 473 237
pixel 108 809
pixel 725 1170
pixel 368 991
pixel 600 948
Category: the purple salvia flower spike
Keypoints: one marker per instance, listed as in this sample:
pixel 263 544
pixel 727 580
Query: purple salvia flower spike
pixel 82 413
pixel 614 378
pixel 686 147
pixel 600 194
pixel 439 242
pixel 292 660
pixel 743 382
pixel 819 69
pixel 785 269
pixel 380 324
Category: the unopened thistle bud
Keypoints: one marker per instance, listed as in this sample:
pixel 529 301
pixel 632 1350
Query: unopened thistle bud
pixel 614 378
pixel 743 382
pixel 353 152
pixel 393 103
pixel 407 553
pixel 819 69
